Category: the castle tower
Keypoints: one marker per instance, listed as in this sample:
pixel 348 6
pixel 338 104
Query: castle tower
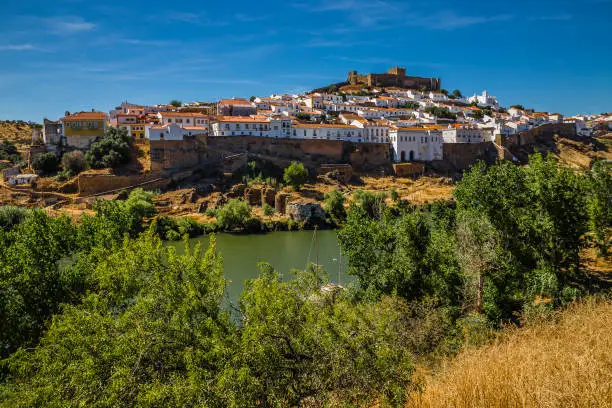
pixel 399 71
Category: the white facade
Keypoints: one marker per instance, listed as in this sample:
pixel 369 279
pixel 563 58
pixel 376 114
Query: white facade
pixel 172 132
pixel 328 132
pixel 416 144
pixel 183 118
pixel 277 127
pixel 484 100
pixel 463 134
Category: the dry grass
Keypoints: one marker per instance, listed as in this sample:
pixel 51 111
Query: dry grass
pixel 568 364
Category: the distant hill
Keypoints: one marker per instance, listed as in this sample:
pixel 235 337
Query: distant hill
pixel 17 131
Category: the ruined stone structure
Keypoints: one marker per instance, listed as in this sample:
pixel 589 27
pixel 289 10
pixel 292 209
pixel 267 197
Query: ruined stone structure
pixel 395 77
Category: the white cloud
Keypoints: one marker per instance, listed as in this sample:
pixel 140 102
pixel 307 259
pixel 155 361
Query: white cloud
pixel 449 20
pixel 69 24
pixel 18 47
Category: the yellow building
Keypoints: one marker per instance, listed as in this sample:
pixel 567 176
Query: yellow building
pixel 82 128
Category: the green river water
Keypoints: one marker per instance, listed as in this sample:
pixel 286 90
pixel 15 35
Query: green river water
pixel 283 250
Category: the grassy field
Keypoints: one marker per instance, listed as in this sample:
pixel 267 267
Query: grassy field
pixel 562 364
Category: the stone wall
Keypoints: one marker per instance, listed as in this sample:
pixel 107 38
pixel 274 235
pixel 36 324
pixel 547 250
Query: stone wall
pixel 313 153
pixel 408 169
pixel 96 182
pixel 462 156
pixel 174 154
pixel 539 135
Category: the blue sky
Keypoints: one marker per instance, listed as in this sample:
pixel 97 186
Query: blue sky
pixel 76 55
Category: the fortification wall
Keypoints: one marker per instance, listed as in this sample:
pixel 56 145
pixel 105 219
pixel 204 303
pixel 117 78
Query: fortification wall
pixel 173 154
pixel 91 183
pixel 539 135
pixel 463 155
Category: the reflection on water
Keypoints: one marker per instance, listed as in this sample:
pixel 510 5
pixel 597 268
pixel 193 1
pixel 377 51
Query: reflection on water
pixel 283 250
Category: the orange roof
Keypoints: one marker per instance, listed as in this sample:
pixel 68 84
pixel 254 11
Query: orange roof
pixel 86 116
pixel 322 125
pixel 413 128
pixel 183 114
pixel 241 119
pixel 234 102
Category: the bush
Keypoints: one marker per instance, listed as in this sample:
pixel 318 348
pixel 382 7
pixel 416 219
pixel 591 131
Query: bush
pixel 112 150
pixel 268 210
pixel 9 152
pixel 45 162
pixel 211 212
pixel 11 216
pixel 393 194
pixel 74 162
pixel 234 214
pixel 334 206
pixel 296 175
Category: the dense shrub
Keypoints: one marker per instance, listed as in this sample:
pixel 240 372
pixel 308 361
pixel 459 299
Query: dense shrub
pixel 45 162
pixel 9 152
pixel 334 206
pixel 295 175
pixel 74 162
pixel 233 215
pixel 112 150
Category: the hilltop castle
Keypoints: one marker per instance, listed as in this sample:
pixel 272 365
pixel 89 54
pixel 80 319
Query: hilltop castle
pixel 395 77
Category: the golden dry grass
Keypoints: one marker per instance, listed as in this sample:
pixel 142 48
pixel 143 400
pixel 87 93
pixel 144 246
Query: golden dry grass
pixel 568 364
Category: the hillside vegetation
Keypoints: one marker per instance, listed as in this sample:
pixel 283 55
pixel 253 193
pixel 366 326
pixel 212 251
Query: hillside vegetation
pixel 16 131
pixel 563 364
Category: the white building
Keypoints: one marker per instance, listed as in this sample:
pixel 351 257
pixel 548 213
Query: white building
pixel 183 118
pixel 327 132
pixel 437 96
pixel 463 134
pixel 484 100
pixel 416 144
pixel 173 131
pixel 277 126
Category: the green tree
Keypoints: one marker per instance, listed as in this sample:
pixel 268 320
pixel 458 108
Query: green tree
pixel 234 214
pixel 45 162
pixel 268 210
pixel 112 150
pixel 302 116
pixel 599 204
pixel 74 162
pixel 477 114
pixel 444 91
pixel 479 253
pixel 252 98
pixel 32 283
pixel 176 103
pixel 334 206
pixel 456 94
pixel 412 105
pixel 8 151
pixel 295 175
pixel 440 112
pixel 520 107
pixel 299 345
pixel 152 334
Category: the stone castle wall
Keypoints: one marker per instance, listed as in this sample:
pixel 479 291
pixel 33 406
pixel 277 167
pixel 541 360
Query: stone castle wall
pixel 395 77
pixel 222 150
pixel 539 135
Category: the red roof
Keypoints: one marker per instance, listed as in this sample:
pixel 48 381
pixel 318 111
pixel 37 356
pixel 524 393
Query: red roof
pixel 86 116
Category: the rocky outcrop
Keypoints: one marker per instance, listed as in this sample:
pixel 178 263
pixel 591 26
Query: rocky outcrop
pixel 310 214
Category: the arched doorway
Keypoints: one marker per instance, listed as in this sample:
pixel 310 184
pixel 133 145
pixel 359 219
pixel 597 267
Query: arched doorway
pixel 403 156
pixel 412 155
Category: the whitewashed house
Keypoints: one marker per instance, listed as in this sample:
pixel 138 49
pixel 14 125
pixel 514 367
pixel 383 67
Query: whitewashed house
pixel 416 144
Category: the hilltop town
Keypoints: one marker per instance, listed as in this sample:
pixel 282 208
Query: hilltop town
pixel 376 125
